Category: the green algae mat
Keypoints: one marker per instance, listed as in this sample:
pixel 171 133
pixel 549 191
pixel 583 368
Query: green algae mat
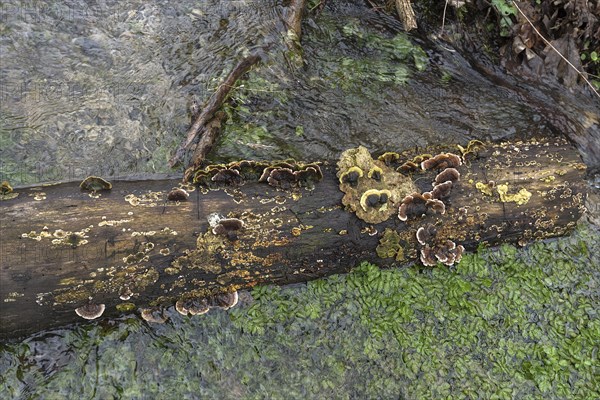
pixel 506 323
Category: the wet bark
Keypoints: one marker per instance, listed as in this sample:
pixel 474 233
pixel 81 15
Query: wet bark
pixel 63 248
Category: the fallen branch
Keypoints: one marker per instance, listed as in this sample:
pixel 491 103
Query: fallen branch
pixel 199 127
pixel 214 103
pixel 406 14
pixel 209 136
pixel 294 20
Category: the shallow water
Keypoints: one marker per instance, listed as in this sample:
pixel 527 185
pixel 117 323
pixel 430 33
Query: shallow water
pixel 104 87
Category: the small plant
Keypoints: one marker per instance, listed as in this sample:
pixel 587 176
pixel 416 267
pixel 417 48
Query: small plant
pixel 590 58
pixel 506 12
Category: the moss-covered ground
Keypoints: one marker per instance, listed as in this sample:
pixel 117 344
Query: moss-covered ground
pixel 506 323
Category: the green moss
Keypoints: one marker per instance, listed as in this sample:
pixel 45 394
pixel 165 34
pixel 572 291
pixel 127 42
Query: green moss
pixel 390 59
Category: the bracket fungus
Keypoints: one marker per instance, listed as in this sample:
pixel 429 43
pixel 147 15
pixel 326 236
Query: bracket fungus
pixel 375 173
pixel 408 167
pixel 154 314
pixel 426 234
pixel 224 300
pixel 309 175
pixel 249 170
pixel 95 184
pixel 178 194
pixel 282 178
pixel 441 190
pixel 90 311
pixel 389 158
pixel 6 191
pixel 228 227
pixel 351 176
pixel 474 147
pixel 192 306
pixel 374 198
pixel 5 188
pixel 449 174
pixel 417 205
pixel 371 188
pixel 441 161
pixel 227 177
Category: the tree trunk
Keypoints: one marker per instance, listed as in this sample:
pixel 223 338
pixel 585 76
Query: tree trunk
pixel 63 248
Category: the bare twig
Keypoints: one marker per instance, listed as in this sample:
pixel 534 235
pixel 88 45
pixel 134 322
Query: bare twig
pixel 444 16
pixel 557 52
pixel 214 103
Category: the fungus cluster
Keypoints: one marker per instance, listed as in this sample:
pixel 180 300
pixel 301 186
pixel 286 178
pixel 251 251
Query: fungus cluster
pixel 418 205
pixel 372 189
pixel 201 305
pixel 283 174
pixel 436 250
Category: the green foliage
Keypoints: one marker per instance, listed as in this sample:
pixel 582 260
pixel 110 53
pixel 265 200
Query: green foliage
pixel 505 323
pixel 590 58
pixel 506 11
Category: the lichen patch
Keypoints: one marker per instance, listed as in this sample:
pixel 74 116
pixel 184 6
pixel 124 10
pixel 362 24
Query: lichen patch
pixel 372 189
pixel 521 197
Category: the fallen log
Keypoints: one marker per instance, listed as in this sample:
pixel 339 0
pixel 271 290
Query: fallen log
pixel 143 244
